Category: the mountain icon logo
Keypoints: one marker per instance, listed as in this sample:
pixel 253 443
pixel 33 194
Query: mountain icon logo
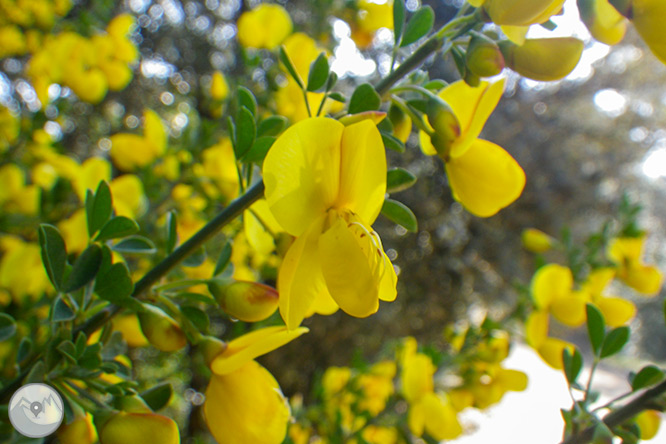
pixel 36 410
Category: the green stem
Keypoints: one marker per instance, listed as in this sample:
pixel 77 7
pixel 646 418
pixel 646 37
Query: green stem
pixel 307 103
pixel 589 380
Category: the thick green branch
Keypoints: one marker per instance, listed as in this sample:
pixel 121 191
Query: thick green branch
pixel 621 414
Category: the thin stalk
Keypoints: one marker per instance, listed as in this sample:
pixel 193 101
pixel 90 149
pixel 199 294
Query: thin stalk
pixel 307 103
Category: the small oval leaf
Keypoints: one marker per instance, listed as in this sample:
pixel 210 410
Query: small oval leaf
pixel 119 226
pixel 364 98
pixel 418 25
pixel 85 268
pixel 400 214
pixel 399 179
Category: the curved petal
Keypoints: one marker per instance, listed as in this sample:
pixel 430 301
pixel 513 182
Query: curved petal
pixel 513 380
pixel 648 18
pixel 645 279
pixel 300 280
pixel 246 406
pixel 245 348
pixel 485 178
pixel 350 266
pixel 302 173
pixel 472 106
pixel 549 283
pixel 536 329
pixel 441 421
pixel 417 373
pixel 551 351
pixel 598 280
pixel 323 304
pixel 389 280
pixel 362 170
pixel 154 132
pixel 570 310
pixel 129 151
pixel 616 311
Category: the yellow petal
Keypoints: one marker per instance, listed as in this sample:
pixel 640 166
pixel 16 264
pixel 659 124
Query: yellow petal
pixel 441 421
pixel 551 351
pixel 245 348
pixel 603 21
pixel 93 170
pixel 626 249
pixel 129 151
pixel 513 380
pixel 485 178
pixel 154 132
pixel 260 227
pixel 351 266
pixel 266 26
pixel 300 280
pixel 219 88
pixel 598 280
pixel 246 406
pixel 616 311
pixel 536 329
pixel 387 285
pixel 323 304
pixel 362 171
pixel 125 427
pixel 570 309
pixel 536 241
pixel 302 173
pixel 649 422
pixel 416 418
pixel 544 59
pixel 549 283
pixel 472 106
pixel 521 12
pixel 644 279
pixel 648 18
pixel 302 50
pixel 416 377
pixel 515 33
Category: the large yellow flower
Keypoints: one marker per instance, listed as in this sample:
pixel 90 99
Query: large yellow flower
pixel 325 184
pixel 243 401
pixel 482 175
pixel 626 253
pixel 266 26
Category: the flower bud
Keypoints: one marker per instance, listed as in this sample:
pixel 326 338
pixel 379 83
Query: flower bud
pixel 375 116
pixel 484 57
pixel 536 241
pixel 649 17
pixel 402 124
pixel 445 125
pixel 603 21
pixel 219 89
pixel 161 330
pixel 124 428
pixel 131 404
pixel 211 348
pixel 521 12
pixel 80 431
pixel 543 59
pixel 246 301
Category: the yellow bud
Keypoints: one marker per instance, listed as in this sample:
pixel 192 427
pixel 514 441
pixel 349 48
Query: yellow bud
pixel 543 59
pixel 445 125
pixel 247 301
pixel 132 404
pixel 219 88
pixel 536 241
pixel 603 21
pixel 484 57
pixel 161 330
pixel 649 17
pixel 80 431
pixel 375 116
pixel 124 428
pixel 402 124
pixel 521 12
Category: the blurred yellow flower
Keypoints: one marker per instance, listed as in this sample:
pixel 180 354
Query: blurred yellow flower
pixel 371 16
pixel 26 257
pixel 603 21
pixel 626 253
pixel 130 151
pixel 536 241
pixel 264 27
pixel 616 311
pixel 124 427
pixel 325 184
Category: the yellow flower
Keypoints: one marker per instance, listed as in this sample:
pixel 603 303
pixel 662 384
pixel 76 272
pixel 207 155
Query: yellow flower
pixel 219 165
pixel 552 291
pixel 648 17
pixel 374 434
pixel 219 88
pixel 325 184
pixel 266 26
pixel 536 335
pixel 376 387
pixel 129 199
pixel 130 151
pixel 74 231
pixel 536 241
pixel 10 126
pixel 128 325
pixel 80 431
pixel 626 253
pixel 545 59
pixel 520 12
pixel 603 21
pixel 124 427
pixel 243 401
pixel 616 311
pixel 649 422
pixel 334 380
pixel 15 195
pixel 20 259
pixel 482 175
pixel 371 16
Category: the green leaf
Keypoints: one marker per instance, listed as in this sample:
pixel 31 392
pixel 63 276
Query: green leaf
pixel 68 350
pixel 172 233
pixel 115 346
pixel 573 363
pixel 364 98
pixel 271 126
pixel 246 99
pixel 85 268
pixel 435 85
pixel 136 245
pixel 318 73
pixel 286 61
pixel 196 316
pixel 223 259
pixel 54 254
pixel 259 150
pixel 7 326
pixel 91 358
pixel 195 259
pixel 393 143
pixel 157 397
pixel 400 214
pixel 649 375
pixel 198 297
pixel 98 211
pixel 399 179
pixel 24 349
pixel 61 311
pixel 119 226
pixel 246 130
pixel 615 341
pixel 596 328
pixel 114 285
pixel 398 19
pixel 37 374
pixel 338 97
pixel 419 25
pixel 81 343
